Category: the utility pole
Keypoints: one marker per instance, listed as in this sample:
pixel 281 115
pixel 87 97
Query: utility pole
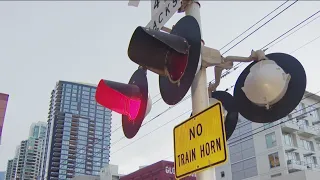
pixel 199 93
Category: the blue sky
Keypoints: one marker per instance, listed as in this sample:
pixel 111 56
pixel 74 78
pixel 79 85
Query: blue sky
pixel 43 42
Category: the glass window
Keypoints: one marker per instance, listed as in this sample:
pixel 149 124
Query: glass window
pixel 98 128
pixel 67 123
pixel 85 88
pixel 85 105
pixel 66 106
pixel 82 137
pixel 67 98
pixel 99 120
pixel 271 140
pixel 288 139
pixel 83 133
pixel 308 145
pixel 66 128
pixel 85 92
pixel 99 124
pixel 274 160
pixel 68 89
pixel 83 120
pixel 84 109
pixel 82 113
pixel 100 107
pixel 83 124
pixel 83 128
pixel 85 100
pixel 74 107
pixel 98 132
pixel 99 116
pixel 100 112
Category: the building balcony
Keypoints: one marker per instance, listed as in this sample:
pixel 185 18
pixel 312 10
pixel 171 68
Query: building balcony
pixel 307 152
pixel 307 131
pixel 289 147
pixel 56 154
pixel 313 167
pixel 55 168
pixel 54 174
pixel 289 127
pixel 56 159
pixel 58 145
pixel 70 165
pixel 294 165
pixel 59 130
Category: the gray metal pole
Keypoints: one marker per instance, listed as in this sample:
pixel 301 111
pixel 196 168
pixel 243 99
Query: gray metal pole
pixel 199 93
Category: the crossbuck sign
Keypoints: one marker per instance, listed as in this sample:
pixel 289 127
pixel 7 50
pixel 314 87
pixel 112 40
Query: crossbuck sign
pixel 162 11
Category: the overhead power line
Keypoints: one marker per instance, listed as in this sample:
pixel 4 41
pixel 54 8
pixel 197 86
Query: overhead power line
pixel 260 27
pixel 266 46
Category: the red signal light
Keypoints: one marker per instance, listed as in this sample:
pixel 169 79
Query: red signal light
pixel 176 64
pixel 130 100
pixel 126 103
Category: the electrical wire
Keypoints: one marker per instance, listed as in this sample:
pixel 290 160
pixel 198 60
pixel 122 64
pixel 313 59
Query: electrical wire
pixel 253 25
pixel 260 27
pixel 293 32
pixel 266 46
pixel 305 45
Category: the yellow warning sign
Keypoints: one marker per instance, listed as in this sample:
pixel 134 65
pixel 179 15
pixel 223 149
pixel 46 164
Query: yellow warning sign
pixel 200 142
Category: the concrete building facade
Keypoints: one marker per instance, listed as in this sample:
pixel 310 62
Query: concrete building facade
pixel 78 133
pixel 264 151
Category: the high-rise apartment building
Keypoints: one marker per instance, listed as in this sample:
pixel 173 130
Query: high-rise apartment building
pixel 78 134
pixel 274 150
pixel 27 161
pixel 3 108
pixel 30 153
pixel 12 166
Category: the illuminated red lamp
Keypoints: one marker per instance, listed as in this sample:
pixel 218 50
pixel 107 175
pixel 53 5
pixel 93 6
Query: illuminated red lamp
pixel 121 98
pixel 130 100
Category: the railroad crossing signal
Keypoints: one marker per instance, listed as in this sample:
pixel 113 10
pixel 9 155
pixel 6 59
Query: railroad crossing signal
pixel 173 56
pixel 131 100
pixel 270 89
